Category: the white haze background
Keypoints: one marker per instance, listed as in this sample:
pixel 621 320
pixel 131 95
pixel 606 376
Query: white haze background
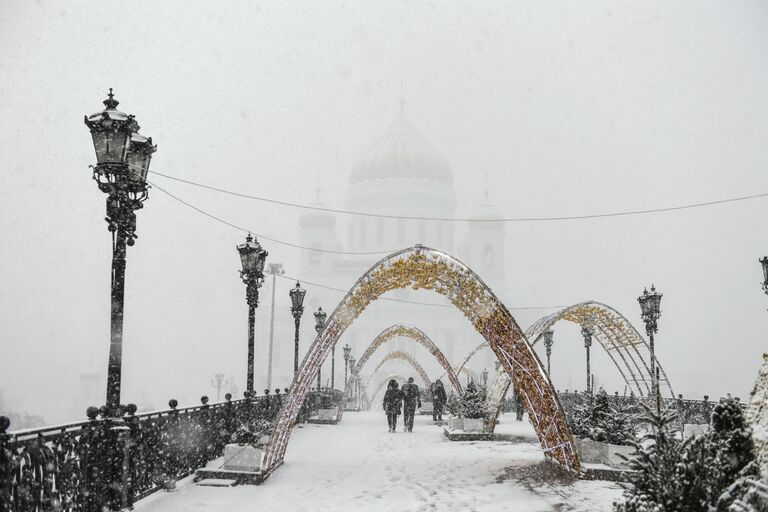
pixel 571 108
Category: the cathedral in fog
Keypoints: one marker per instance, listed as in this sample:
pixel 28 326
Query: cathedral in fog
pixel 400 174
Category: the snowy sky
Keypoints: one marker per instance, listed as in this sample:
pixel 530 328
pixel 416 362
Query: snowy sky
pixel 571 108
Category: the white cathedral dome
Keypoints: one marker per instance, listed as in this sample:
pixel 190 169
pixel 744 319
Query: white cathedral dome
pixel 401 154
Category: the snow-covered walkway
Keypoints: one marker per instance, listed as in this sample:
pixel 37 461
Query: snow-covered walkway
pixel 358 465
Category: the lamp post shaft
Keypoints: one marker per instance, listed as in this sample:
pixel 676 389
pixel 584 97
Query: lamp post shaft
pixel 589 375
pixel 319 379
pixel 114 370
pixel 271 331
pixel 251 322
pixel 654 378
pixel 296 322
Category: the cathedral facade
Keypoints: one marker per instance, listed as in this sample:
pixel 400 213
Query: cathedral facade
pixel 400 174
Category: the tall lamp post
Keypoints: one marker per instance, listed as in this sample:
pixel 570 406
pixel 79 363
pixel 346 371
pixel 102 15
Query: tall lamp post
pixel 274 269
pixel 353 377
pixel 587 333
pixel 320 317
pixel 650 311
pixel 347 352
pixel 297 294
pixel 252 257
pixel 548 341
pixel 122 163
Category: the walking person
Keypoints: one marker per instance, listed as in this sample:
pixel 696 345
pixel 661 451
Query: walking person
pixel 438 400
pixel 393 397
pixel 411 398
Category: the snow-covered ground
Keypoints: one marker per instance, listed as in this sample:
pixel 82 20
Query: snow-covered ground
pixel 358 465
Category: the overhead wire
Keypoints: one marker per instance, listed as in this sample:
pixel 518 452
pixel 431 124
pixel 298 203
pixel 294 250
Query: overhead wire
pixel 624 213
pixel 311 283
pixel 260 235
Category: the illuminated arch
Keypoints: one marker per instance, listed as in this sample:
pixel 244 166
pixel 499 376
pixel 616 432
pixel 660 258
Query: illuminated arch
pixel 381 385
pixel 624 345
pixel 471 374
pixel 390 333
pixel 471 354
pixel 422 268
pixel 408 358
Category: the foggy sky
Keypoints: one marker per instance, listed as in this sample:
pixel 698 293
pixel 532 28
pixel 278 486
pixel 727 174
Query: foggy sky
pixel 571 108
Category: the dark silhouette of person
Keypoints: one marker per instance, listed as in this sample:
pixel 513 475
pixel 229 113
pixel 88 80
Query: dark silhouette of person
pixel 411 399
pixel 438 400
pixel 393 398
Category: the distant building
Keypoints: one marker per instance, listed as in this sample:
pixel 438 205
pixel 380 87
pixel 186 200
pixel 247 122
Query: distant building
pixel 402 174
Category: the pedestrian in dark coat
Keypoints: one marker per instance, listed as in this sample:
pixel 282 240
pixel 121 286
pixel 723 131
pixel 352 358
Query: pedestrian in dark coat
pixel 411 398
pixel 393 398
pixel 438 400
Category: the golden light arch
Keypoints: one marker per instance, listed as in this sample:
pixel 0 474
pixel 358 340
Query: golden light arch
pixel 399 355
pixel 422 268
pixel 405 331
pixel 471 374
pixel 625 346
pixel 383 383
pixel 471 354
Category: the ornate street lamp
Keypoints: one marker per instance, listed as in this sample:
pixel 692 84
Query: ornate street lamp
pixel 650 311
pixel 347 352
pixel 252 257
pixel 297 294
pixel 764 262
pixel 319 325
pixel 587 333
pixel 548 341
pixel 122 163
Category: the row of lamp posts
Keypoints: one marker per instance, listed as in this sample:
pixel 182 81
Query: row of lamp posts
pixel 123 156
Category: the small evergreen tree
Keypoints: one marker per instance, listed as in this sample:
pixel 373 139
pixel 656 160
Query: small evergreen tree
pixel 705 473
pixel 655 460
pixel 473 404
pixel 597 419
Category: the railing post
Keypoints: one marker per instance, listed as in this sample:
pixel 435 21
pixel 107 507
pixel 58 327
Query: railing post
pixel 6 465
pixel 171 446
pixel 117 436
pixel 205 449
pixel 131 459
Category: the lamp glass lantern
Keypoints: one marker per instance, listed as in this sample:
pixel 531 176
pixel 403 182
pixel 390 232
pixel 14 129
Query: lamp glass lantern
pixel 111 132
pixel 347 352
pixel 320 317
pixel 645 306
pixel 764 263
pixel 252 256
pixel 139 156
pixel 297 294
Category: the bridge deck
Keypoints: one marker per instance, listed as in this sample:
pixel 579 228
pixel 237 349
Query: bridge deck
pixel 358 465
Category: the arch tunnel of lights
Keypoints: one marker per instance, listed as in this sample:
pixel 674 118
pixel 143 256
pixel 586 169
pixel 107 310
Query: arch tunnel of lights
pixel 419 268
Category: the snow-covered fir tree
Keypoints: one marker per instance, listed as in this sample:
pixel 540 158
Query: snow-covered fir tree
pixel 473 403
pixel 705 473
pixel 597 419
